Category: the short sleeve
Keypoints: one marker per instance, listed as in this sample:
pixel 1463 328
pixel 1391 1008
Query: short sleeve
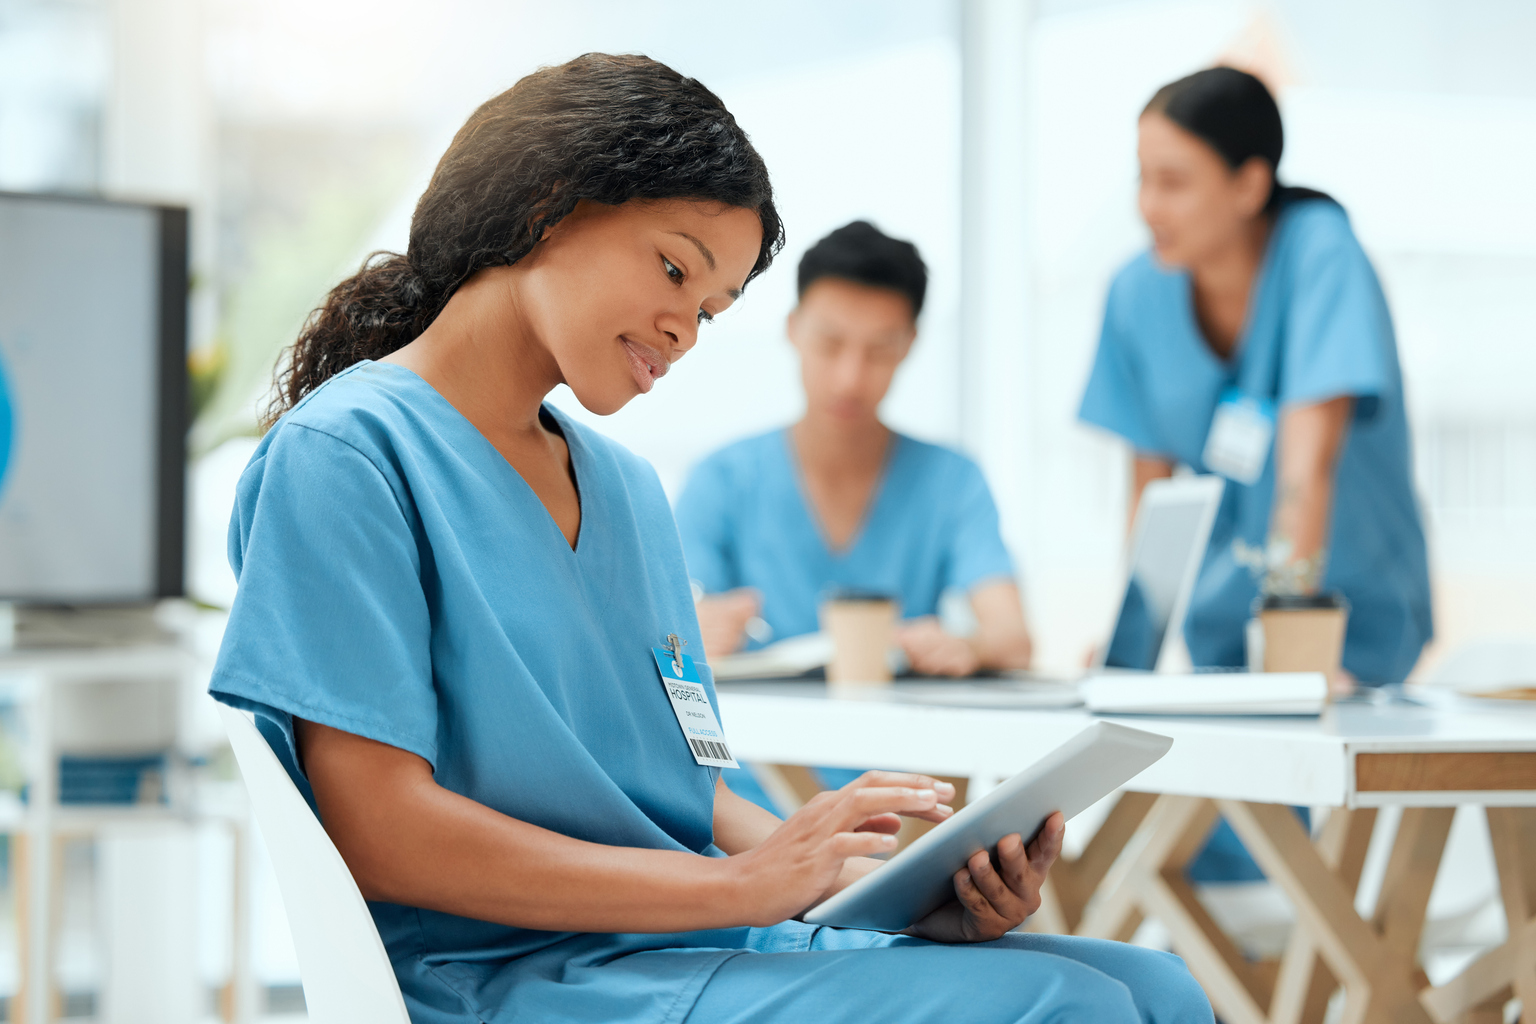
pixel 1338 335
pixel 977 553
pixel 705 524
pixel 330 620
pixel 1115 397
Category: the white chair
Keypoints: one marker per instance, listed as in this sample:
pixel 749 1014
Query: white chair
pixel 346 973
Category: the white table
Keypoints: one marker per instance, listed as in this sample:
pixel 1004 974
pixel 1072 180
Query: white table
pixel 1426 759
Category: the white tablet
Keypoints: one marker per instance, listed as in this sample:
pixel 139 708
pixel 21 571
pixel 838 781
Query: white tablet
pixel 920 879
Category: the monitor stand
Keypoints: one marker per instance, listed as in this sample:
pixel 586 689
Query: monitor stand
pixel 29 627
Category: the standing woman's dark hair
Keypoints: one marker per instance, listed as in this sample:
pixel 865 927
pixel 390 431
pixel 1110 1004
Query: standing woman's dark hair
pixel 600 127
pixel 1235 114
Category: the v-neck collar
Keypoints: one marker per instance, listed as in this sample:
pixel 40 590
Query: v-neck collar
pixel 808 507
pixel 1230 364
pixel 487 459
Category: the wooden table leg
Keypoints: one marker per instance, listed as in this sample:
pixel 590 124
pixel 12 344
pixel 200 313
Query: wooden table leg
pixel 1380 983
pixel 21 887
pixel 1113 912
pixel 1240 988
pixel 237 998
pixel 1072 882
pixel 1508 970
pixel 1305 984
pixel 1490 1012
pixel 1375 961
pixel 1411 870
pixel 1174 828
pixel 1149 878
pixel 1513 830
pixel 1484 983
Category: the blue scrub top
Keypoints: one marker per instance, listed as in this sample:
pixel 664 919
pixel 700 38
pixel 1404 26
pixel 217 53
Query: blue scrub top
pixel 931 526
pixel 398 580
pixel 1318 328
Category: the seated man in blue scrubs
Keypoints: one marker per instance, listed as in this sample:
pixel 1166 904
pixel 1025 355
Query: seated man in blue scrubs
pixel 772 524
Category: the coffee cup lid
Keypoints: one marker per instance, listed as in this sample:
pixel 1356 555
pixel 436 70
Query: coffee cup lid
pixel 1301 602
pixel 858 594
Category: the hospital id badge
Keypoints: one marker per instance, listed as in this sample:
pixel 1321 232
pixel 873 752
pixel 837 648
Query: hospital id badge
pixel 1242 432
pixel 695 715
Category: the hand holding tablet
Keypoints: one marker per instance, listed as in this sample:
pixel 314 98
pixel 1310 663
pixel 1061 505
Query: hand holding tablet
pixel 991 899
pixel 922 878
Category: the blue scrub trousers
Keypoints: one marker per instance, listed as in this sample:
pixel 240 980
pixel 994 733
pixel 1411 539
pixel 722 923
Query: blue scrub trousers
pixel 857 976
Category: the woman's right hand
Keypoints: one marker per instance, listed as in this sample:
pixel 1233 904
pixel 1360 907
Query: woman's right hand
pixel 793 869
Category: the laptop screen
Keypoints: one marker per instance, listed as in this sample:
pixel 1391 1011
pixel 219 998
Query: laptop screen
pixel 1169 532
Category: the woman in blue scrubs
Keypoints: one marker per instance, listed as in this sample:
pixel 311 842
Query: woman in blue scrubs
pixel 772 524
pixel 455 603
pixel 1254 340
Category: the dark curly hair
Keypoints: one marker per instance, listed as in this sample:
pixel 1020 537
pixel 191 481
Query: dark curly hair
pixel 600 127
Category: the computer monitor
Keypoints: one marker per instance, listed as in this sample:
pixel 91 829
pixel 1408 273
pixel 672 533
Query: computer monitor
pixel 93 400
pixel 1168 542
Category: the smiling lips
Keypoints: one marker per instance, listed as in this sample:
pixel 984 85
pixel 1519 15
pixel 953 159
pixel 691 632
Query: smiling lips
pixel 645 363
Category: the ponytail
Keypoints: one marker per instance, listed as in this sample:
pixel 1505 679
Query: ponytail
pixel 379 309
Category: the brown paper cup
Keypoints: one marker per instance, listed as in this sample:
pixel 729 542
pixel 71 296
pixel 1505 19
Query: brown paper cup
pixel 1303 639
pixel 862 630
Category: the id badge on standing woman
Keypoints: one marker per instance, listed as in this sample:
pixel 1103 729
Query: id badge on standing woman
pixel 1242 434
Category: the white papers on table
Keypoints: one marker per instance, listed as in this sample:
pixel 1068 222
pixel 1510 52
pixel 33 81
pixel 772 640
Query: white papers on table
pixel 783 660
pixel 1207 693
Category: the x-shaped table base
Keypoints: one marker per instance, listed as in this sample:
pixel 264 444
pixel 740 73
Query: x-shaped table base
pixel 1138 871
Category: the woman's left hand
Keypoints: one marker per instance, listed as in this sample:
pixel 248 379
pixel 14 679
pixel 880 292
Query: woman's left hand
pixel 992 901
pixel 935 652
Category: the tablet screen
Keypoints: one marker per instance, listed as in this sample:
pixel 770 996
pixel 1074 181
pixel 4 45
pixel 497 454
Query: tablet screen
pixel 1071 778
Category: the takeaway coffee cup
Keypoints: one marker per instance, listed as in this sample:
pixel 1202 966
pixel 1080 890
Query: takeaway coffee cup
pixel 862 625
pixel 1302 632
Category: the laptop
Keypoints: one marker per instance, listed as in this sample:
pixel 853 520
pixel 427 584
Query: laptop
pixel 1168 544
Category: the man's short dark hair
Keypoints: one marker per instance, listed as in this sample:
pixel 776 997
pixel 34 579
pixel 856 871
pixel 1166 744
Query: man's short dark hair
pixel 862 253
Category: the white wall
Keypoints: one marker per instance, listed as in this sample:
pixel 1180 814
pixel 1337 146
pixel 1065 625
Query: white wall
pixel 1090 73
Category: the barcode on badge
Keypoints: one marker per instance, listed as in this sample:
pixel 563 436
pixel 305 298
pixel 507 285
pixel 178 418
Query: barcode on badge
pixel 710 749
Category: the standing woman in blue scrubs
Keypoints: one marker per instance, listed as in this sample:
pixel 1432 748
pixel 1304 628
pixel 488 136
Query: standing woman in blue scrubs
pixel 453 601
pixel 1254 340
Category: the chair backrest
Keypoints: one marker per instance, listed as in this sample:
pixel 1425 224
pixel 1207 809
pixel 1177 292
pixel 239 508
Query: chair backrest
pixel 347 975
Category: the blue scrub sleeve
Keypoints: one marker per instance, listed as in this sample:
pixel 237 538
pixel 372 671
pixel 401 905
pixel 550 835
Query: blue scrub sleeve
pixel 708 531
pixel 1115 396
pixel 330 620
pixel 977 552
pixel 1338 335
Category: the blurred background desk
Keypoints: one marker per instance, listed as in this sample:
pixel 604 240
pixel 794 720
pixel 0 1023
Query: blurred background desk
pixel 101 745
pixel 1425 759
